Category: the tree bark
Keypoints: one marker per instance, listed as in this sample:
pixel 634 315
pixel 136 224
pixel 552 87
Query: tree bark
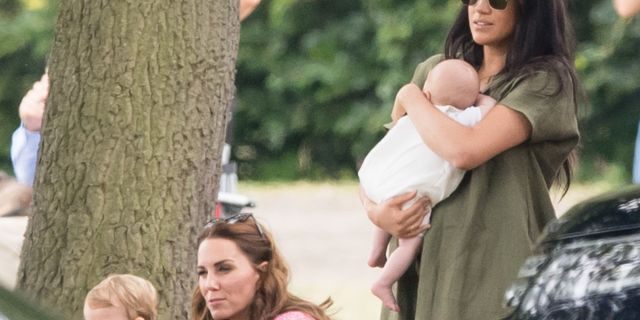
pixel 131 146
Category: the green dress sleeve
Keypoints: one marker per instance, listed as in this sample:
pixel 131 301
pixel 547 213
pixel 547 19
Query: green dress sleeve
pixel 546 103
pixel 420 75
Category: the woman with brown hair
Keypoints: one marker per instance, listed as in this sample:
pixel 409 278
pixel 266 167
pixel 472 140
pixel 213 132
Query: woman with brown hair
pixel 242 276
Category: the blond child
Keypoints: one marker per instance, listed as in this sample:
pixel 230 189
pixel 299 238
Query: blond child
pixel 121 297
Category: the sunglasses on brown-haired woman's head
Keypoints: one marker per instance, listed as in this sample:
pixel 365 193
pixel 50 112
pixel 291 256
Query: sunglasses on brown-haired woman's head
pixel 240 217
pixel 496 4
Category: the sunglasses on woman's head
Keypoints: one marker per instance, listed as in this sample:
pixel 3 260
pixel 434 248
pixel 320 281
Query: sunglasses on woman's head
pixel 240 217
pixel 496 4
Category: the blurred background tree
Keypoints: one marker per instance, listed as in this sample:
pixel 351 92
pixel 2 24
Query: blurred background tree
pixel 26 34
pixel 609 67
pixel 316 80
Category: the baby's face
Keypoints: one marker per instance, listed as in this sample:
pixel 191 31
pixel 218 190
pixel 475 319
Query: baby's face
pixel 107 313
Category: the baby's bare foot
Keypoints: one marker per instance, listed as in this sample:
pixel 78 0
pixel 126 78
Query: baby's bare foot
pixel 385 294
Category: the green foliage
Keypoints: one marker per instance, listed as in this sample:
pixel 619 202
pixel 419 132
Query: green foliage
pixel 26 32
pixel 609 68
pixel 317 79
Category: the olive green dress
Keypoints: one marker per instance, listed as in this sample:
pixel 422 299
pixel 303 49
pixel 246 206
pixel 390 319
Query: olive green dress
pixel 482 233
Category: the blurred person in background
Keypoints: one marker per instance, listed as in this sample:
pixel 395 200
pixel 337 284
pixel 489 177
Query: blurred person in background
pixel 15 201
pixel 26 139
pixel 15 197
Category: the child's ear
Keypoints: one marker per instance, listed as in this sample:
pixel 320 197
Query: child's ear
pixel 263 266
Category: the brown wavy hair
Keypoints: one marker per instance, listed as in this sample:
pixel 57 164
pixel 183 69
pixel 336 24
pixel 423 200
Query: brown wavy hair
pixel 272 296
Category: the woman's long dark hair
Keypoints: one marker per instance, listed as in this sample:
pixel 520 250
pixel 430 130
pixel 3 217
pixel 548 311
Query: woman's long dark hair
pixel 543 38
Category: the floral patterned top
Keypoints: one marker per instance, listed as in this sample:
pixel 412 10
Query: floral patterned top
pixel 294 315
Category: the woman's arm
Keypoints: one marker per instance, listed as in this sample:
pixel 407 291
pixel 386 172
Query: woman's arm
pixel 390 217
pixel 465 147
pixel 247 7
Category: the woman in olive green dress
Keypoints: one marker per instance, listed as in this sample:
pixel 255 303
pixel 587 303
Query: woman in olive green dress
pixel 483 232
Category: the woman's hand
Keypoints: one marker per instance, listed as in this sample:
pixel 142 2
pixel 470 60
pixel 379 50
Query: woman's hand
pixel 390 217
pixel 32 105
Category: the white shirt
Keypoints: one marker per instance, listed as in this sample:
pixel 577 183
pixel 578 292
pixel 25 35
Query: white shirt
pixel 402 162
pixel 24 154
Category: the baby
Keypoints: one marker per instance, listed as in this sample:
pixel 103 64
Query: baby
pixel 121 297
pixel 401 162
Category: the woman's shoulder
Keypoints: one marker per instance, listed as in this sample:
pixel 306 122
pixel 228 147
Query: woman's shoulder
pixel 430 62
pixel 294 315
pixel 420 74
pixel 549 71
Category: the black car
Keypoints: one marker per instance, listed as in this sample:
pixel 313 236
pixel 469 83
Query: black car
pixel 586 264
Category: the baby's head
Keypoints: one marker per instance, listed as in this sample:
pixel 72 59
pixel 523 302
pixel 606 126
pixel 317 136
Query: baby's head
pixel 121 297
pixel 453 82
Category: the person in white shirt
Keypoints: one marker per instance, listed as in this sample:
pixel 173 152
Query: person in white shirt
pixel 25 140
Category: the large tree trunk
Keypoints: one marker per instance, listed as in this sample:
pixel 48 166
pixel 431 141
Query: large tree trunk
pixel 132 139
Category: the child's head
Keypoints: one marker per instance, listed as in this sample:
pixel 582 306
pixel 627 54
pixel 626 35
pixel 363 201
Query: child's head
pixel 453 82
pixel 121 297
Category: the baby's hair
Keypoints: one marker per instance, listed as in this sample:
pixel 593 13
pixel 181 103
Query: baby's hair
pixel 135 294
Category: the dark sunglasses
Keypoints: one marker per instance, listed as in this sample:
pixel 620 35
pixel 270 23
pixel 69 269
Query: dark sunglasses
pixel 240 217
pixel 496 4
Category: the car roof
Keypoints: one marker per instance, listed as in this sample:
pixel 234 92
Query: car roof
pixel 611 213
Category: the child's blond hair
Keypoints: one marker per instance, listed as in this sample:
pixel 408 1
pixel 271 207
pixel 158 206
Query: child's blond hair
pixel 135 294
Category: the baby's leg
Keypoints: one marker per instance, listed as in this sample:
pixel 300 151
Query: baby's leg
pixel 398 262
pixel 378 255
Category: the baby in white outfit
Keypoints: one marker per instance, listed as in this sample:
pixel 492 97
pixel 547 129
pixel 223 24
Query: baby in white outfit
pixel 401 162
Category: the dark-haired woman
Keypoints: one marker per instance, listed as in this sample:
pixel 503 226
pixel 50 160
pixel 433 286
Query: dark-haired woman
pixel 483 232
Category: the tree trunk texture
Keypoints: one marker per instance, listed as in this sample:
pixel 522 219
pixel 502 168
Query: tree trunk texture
pixel 131 147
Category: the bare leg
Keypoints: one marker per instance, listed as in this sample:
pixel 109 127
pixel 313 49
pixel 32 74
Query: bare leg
pixel 398 262
pixel 378 255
